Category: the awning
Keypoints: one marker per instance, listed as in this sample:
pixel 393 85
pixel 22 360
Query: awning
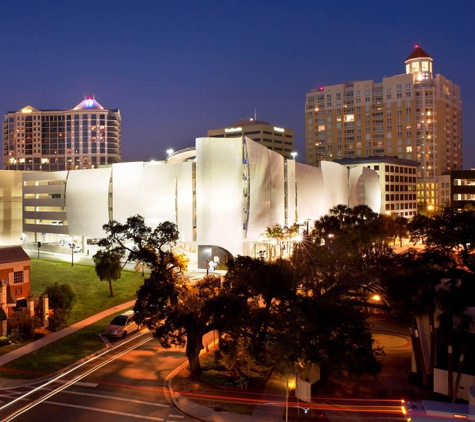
pixel 21 303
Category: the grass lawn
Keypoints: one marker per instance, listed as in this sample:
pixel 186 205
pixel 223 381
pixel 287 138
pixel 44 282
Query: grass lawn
pixel 92 297
pixel 57 355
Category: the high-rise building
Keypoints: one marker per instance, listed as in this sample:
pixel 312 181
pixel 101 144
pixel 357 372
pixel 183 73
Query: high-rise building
pixel 278 139
pixel 85 136
pixel 413 116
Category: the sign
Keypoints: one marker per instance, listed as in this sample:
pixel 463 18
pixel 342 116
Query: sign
pixel 303 390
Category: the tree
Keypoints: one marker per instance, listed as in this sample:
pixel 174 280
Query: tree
pixel 167 307
pixel 61 298
pixel 449 233
pixel 285 321
pixel 108 266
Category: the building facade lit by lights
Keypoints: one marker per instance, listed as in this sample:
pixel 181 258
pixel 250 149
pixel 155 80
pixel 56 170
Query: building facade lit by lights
pixel 85 136
pixel 275 138
pixel 414 116
pixel 397 180
pixel 222 194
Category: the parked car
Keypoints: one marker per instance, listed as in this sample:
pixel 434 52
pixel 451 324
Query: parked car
pixel 122 325
pixel 77 248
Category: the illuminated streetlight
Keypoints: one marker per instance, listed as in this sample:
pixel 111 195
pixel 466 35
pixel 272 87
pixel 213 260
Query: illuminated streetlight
pixel 72 246
pixel 170 151
pixel 293 154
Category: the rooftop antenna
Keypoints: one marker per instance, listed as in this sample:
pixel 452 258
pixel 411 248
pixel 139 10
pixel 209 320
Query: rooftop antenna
pixel 255 114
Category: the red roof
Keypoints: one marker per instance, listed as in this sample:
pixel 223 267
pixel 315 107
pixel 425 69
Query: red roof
pixel 417 53
pixel 10 254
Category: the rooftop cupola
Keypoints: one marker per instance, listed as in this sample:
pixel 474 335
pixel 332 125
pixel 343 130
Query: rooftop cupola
pixel 419 63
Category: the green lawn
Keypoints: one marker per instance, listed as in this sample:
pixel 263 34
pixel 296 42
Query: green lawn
pixel 57 355
pixel 92 297
pixel 92 294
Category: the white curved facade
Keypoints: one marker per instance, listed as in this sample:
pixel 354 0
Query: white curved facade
pixel 363 186
pixel 223 195
pixel 87 201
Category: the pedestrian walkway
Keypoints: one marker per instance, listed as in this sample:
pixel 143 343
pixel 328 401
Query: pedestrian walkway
pixel 50 338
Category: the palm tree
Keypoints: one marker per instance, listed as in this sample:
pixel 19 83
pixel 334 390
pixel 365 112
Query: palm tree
pixel 274 234
pixel 108 266
pixel 341 211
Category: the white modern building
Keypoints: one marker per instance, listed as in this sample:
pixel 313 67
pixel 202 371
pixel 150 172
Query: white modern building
pixel 222 194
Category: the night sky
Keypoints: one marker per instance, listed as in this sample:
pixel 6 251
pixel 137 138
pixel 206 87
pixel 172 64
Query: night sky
pixel 178 68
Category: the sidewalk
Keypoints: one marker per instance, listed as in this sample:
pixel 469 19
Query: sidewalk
pixel 35 345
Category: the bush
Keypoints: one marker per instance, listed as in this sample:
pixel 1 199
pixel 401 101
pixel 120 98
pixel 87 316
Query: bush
pixel 4 341
pixel 22 327
pixel 58 319
pixel 61 300
pixel 61 296
pixel 219 378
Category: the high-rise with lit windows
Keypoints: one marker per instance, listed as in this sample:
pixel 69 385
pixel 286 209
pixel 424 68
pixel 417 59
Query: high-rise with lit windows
pixel 85 136
pixel 414 116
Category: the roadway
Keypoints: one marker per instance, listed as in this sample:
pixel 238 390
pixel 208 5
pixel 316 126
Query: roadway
pixel 125 383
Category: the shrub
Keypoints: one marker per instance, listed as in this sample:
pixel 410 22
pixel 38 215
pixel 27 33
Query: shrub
pixel 4 341
pixel 61 300
pixel 58 319
pixel 22 326
pixel 218 378
pixel 61 296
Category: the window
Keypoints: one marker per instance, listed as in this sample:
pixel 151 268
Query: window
pixel 18 277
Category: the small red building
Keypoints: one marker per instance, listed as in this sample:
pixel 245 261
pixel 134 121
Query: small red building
pixel 14 279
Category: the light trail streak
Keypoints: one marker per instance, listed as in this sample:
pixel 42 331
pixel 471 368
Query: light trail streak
pixel 74 380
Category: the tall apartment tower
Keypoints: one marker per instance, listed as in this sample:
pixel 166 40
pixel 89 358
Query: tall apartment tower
pixel 413 116
pixel 85 136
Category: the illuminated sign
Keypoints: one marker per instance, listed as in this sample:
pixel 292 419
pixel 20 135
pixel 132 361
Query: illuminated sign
pixel 278 129
pixel 233 129
pixel 89 103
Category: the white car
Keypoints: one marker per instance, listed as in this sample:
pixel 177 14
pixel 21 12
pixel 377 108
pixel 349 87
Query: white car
pixel 122 325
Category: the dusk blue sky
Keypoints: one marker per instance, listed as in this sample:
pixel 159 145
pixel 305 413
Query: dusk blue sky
pixel 178 68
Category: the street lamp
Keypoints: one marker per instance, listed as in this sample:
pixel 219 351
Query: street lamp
pixel 288 385
pixel 293 154
pixel 170 151
pixel 72 246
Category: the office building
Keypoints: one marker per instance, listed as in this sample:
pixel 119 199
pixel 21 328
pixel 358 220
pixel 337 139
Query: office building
pixel 397 180
pixel 278 139
pixel 85 136
pixel 416 116
pixel 462 183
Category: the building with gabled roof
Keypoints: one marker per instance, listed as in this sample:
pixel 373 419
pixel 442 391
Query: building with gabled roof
pixel 82 137
pixel 14 281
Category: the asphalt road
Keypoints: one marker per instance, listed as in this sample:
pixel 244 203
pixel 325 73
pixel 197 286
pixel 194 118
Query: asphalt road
pixel 125 384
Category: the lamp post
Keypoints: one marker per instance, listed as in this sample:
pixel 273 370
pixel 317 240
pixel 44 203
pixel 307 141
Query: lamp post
pixel 170 151
pixel 293 154
pixel 72 246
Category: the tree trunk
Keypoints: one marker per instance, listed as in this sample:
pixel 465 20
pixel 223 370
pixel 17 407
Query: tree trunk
pixel 450 374
pixel 457 378
pixel 194 344
pixel 110 288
